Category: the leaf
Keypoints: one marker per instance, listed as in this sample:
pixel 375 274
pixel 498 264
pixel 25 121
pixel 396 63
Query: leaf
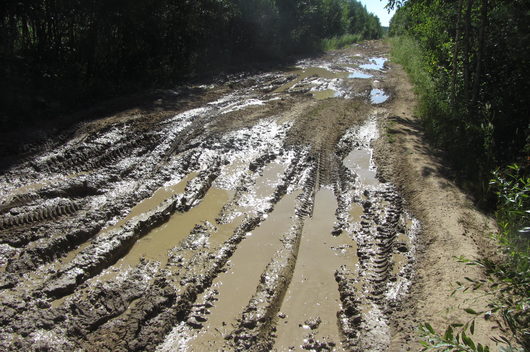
pixel 429 327
pixel 472 327
pixel 470 311
pixel 448 333
pixel 505 339
pixel 468 341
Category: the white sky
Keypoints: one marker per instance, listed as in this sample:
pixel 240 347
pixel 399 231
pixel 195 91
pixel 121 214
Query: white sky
pixel 377 7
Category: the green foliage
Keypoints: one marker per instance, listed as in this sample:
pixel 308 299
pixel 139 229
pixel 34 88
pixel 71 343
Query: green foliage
pixel 455 338
pixel 476 54
pixel 469 61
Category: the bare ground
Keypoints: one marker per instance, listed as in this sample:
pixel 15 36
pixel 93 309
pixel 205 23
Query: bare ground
pixel 242 215
pixel 451 226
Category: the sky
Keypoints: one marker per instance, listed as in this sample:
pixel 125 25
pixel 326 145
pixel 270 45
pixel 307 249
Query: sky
pixel 377 7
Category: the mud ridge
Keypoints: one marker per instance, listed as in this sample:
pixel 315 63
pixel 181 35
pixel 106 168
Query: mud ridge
pixel 256 327
pixel 110 248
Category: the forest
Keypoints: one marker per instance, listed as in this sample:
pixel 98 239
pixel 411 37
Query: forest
pixel 58 55
pixel 475 58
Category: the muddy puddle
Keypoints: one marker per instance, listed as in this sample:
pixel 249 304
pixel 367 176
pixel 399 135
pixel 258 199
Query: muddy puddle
pixel 308 314
pixel 378 96
pixel 158 197
pixel 233 289
pixel 359 161
pixel 250 219
pixel 156 244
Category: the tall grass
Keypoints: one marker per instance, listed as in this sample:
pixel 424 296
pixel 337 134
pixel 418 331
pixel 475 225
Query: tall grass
pixel 408 53
pixel 448 125
pixel 340 41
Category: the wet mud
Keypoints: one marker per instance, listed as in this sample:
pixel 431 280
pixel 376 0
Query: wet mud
pixel 251 219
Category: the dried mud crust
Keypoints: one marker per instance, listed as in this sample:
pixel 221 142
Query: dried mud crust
pixel 119 234
pixel 451 225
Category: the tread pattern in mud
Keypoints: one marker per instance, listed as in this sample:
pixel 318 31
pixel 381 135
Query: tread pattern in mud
pixel 69 228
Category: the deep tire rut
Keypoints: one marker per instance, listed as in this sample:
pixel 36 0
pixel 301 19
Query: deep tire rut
pixel 120 235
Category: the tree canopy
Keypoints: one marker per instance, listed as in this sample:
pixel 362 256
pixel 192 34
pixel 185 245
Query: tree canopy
pixel 477 52
pixel 57 52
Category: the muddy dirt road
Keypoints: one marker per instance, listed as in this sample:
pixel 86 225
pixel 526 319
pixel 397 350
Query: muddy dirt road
pixel 249 216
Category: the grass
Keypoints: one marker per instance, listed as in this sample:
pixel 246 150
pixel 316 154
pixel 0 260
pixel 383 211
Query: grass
pixel 408 53
pixel 339 42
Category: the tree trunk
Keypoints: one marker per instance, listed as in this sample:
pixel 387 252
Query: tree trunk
pixel 467 35
pixel 455 52
pixel 480 54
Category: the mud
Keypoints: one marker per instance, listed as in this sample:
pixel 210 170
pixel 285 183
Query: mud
pixel 247 215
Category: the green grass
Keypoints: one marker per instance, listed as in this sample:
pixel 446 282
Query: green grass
pixel 447 126
pixel 408 53
pixel 339 42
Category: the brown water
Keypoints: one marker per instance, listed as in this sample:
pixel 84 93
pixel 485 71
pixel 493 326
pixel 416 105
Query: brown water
pixel 237 285
pixel 160 195
pixel 325 94
pixel 270 175
pixel 358 161
pixel 156 244
pixel 146 205
pixel 356 211
pixel 313 292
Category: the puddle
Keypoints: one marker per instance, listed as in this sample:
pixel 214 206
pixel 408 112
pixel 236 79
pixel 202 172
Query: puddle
pixel 359 162
pixel 160 195
pixel 144 206
pixel 356 212
pixel 156 244
pixel 263 189
pixel 359 74
pixel 376 64
pixel 313 293
pixel 326 94
pixel 237 285
pixel 270 176
pixel 309 72
pixel 378 96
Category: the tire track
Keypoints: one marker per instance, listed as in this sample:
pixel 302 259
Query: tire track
pixel 111 257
